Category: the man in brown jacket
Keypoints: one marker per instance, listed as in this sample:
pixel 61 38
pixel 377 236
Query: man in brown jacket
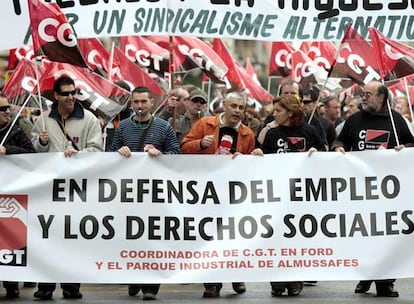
pixel 222 134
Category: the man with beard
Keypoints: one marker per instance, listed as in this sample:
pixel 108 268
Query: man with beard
pixel 372 129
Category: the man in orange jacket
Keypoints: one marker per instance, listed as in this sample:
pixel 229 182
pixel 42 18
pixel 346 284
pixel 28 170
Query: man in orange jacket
pixel 222 134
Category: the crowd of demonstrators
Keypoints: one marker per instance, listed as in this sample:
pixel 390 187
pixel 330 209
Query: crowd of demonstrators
pixel 232 129
pixel 68 128
pixel 142 132
pixel 222 134
pixel 375 115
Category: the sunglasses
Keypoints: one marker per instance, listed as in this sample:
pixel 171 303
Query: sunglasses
pixel 67 93
pixel 198 100
pixel 4 108
pixel 306 101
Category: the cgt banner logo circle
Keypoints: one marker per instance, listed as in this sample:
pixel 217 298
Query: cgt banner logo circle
pixel 13 230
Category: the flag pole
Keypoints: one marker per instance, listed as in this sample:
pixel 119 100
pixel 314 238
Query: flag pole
pixel 111 61
pixel 15 119
pixel 409 99
pixel 39 96
pixel 171 71
pixel 329 73
pixel 391 117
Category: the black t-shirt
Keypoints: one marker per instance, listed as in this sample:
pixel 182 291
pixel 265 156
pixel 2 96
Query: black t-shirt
pixel 365 131
pixel 228 139
pixel 283 139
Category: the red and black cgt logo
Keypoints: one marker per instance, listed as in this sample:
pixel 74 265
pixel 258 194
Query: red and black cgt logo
pixel 13 230
pixel 377 139
pixel 296 144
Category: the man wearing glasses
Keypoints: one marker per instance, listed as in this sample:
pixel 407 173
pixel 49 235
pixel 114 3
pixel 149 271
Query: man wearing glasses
pixel 69 128
pixel 371 129
pixel 194 110
pixel 16 142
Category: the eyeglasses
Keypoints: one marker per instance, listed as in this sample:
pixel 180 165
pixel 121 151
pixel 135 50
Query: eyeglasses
pixel 366 94
pixel 67 93
pixel 198 100
pixel 306 101
pixel 4 108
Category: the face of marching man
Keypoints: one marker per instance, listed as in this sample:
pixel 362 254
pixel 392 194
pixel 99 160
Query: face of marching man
pixel 5 110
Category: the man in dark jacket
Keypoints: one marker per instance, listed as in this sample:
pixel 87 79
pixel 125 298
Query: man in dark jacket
pixel 12 141
pixel 372 129
pixel 16 140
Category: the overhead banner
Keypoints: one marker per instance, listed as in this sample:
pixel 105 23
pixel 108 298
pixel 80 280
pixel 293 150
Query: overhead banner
pixel 240 19
pixel 102 218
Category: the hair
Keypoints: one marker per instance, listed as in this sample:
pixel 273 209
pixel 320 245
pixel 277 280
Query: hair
pixel 142 89
pixel 190 87
pixel 328 99
pixel 123 84
pixel 313 95
pixel 292 104
pixel 288 82
pixel 61 81
pixel 235 95
pixel 383 90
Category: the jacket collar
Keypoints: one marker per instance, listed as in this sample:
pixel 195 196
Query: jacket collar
pixel 78 112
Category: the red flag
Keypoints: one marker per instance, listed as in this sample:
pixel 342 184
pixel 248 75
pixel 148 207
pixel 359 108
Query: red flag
pixel 238 76
pixel 96 55
pixel 52 34
pixel 355 59
pixel 321 53
pixel 394 59
pixel 146 53
pixel 307 72
pixel 22 82
pixel 280 59
pixel 133 74
pixel 251 71
pixel 15 55
pixel 232 75
pixel 253 87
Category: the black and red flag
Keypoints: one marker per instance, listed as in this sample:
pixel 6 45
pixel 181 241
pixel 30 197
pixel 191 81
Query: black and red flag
pixel 146 53
pixel 97 94
pixel 133 75
pixel 355 59
pixel 52 34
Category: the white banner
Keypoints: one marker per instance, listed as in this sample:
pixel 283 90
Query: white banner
pixel 240 19
pixel 101 218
